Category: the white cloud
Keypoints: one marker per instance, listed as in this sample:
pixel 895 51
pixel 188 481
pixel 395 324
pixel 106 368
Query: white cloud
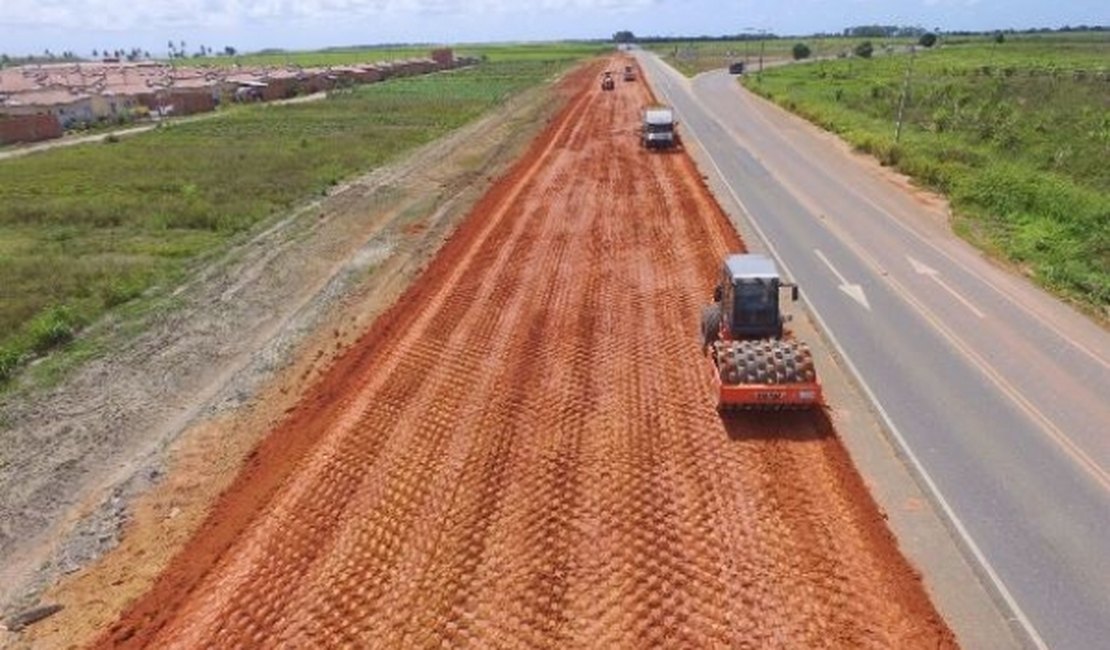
pixel 114 15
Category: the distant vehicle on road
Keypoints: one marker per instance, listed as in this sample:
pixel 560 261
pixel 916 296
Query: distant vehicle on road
pixel 658 128
pixel 607 82
pixel 629 73
pixel 736 68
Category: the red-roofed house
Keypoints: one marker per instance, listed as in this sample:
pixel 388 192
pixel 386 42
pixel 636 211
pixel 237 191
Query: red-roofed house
pixel 69 108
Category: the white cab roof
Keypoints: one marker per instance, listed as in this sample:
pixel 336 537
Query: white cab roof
pixel 751 266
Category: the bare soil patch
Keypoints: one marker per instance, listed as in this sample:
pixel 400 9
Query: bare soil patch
pixel 105 476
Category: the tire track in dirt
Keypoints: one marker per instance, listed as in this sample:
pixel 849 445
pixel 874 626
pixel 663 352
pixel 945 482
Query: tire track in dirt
pixel 524 452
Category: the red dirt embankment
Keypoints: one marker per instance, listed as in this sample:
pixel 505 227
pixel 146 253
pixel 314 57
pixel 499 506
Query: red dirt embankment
pixel 524 451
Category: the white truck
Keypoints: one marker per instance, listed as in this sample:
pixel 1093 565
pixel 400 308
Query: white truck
pixel 658 128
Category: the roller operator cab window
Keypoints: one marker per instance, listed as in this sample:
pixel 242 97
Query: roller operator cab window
pixel 756 302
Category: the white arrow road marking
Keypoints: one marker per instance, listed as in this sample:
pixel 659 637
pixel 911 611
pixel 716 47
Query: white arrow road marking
pixel 854 291
pixel 934 274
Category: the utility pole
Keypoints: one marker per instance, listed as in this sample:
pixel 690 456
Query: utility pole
pixel 762 43
pixel 748 45
pixel 905 95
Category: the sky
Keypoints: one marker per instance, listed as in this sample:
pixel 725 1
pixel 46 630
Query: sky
pixel 30 26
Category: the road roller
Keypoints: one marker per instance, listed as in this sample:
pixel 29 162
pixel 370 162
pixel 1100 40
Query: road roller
pixel 757 364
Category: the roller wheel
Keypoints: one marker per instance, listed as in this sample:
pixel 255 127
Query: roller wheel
pixel 763 362
pixel 710 325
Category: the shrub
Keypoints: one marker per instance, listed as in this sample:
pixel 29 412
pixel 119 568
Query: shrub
pixel 801 51
pixel 9 362
pixel 52 328
pixel 120 290
pixel 928 39
pixel 864 50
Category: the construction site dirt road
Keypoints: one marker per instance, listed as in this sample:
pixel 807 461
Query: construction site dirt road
pixel 524 451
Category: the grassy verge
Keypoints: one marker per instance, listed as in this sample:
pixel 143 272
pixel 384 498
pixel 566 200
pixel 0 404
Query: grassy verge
pixel 93 228
pixel 1016 134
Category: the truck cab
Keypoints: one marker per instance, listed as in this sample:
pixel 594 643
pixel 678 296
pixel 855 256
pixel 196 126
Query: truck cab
pixel 658 129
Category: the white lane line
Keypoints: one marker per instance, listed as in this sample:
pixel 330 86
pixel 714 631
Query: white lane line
pixel 926 240
pixel 961 531
pixel 934 275
pixel 854 291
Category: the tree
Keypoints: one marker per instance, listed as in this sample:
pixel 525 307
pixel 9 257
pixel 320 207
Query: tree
pixel 624 36
pixel 999 37
pixel 928 39
pixel 801 51
pixel 228 50
pixel 865 49
pixel 96 54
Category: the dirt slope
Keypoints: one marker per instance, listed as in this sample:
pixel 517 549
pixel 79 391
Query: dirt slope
pixel 524 451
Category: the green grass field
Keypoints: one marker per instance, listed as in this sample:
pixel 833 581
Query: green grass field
pixel 1016 134
pixel 695 57
pixel 86 229
pixel 352 55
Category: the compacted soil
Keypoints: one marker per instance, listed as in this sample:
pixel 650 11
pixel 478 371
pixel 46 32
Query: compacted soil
pixel 524 451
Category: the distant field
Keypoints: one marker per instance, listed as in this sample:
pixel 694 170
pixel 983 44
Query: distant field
pixel 320 58
pixel 537 51
pixel 1016 134
pixel 347 56
pixel 88 228
pixel 695 57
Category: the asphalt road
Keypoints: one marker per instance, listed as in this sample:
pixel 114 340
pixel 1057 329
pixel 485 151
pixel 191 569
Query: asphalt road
pixel 998 394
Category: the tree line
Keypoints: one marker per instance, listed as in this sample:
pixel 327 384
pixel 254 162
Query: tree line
pixel 858 31
pixel 176 51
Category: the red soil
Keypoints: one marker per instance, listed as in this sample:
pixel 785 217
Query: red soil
pixel 524 451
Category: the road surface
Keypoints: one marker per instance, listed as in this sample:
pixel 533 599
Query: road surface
pixel 999 394
pixel 525 452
